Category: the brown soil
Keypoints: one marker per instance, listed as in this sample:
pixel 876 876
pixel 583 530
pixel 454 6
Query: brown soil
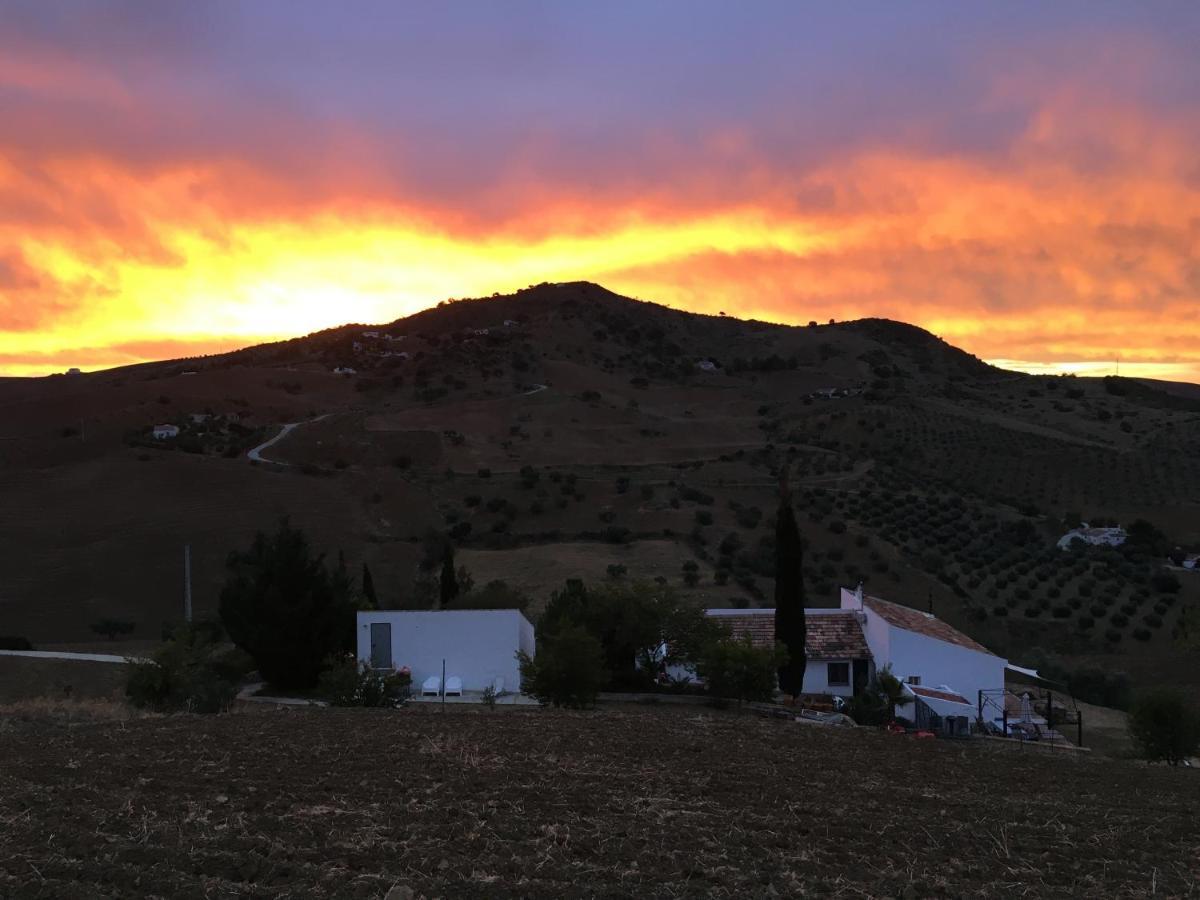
pixel 547 804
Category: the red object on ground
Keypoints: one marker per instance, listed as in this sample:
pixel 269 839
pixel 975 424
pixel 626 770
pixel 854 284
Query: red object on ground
pixel 925 734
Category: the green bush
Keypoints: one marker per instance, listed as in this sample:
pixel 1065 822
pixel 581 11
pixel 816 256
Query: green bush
pixel 738 670
pixel 348 682
pixel 1165 727
pixel 568 669
pixel 181 676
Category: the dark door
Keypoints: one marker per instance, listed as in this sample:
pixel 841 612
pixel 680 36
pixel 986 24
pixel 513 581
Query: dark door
pixel 861 675
pixel 381 645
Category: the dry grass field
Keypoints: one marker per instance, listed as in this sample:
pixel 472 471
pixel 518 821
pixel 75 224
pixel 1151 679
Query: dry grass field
pixel 645 803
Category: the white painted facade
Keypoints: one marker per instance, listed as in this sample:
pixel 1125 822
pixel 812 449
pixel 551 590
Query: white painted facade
pixel 934 661
pixel 478 645
pixel 165 432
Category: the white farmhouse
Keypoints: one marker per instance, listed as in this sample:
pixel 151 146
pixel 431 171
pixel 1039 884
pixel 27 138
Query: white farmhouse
pixel 165 432
pixel 944 669
pixel 923 650
pixel 706 365
pixel 478 646
pixel 370 334
pixel 1097 537
pixel 344 370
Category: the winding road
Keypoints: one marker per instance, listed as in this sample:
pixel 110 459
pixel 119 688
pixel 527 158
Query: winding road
pixel 256 453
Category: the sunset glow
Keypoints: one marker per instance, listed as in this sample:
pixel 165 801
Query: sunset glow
pixel 1030 194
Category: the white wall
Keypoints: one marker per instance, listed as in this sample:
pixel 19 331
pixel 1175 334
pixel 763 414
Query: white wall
pixel 816 678
pixel 938 662
pixel 477 645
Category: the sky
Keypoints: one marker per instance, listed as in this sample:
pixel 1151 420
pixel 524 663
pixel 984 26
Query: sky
pixel 181 178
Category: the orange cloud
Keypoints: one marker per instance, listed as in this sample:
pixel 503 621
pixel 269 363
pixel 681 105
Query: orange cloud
pixel 1074 241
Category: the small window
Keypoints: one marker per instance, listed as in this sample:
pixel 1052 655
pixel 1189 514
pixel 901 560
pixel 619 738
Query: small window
pixel 913 679
pixel 837 674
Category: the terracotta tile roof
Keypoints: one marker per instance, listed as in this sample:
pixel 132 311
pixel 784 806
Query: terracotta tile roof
pixel 836 635
pixel 922 623
pixel 938 695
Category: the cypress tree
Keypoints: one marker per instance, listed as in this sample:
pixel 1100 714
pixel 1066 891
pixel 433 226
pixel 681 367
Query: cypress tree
pixel 368 588
pixel 449 581
pixel 790 627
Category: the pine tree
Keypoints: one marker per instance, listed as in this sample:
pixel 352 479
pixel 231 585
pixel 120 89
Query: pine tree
pixel 449 582
pixel 368 588
pixel 790 627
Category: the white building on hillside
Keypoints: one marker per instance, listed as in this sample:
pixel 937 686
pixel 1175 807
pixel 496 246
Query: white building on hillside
pixel 165 432
pixel 478 646
pixel 1097 537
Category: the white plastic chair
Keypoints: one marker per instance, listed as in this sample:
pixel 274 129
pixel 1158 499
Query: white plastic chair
pixel 453 686
pixel 432 686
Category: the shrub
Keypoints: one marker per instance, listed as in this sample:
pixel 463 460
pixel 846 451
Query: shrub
pixel 568 669
pixel 348 682
pixel 738 670
pixel 182 675
pixel 112 628
pixel 1165 727
pixel 704 517
pixel 616 570
pixel 14 642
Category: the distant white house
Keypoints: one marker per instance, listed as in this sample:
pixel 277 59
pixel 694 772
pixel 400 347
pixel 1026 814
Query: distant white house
pixel 370 334
pixel 481 331
pixel 344 370
pixel 1192 562
pixel 393 337
pixel 706 365
pixel 165 432
pixel 478 646
pixel 1097 537
pixel 511 323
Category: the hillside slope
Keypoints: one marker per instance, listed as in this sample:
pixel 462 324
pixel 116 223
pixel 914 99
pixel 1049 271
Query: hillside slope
pixel 567 429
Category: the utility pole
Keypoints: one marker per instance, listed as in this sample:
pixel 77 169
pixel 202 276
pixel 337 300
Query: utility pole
pixel 187 582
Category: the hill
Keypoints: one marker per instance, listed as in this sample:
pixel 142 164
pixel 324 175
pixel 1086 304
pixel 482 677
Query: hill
pixel 565 430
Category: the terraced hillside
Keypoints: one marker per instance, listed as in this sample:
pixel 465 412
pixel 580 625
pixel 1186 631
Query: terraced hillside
pixel 565 431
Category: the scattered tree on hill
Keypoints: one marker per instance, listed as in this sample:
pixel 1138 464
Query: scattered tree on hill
pixel 568 669
pixel 112 628
pixel 286 608
pixel 448 588
pixel 184 674
pixel 1165 726
pixel 735 669
pixel 790 627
